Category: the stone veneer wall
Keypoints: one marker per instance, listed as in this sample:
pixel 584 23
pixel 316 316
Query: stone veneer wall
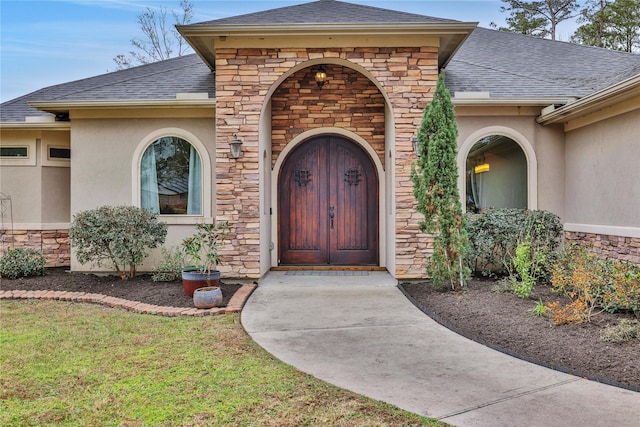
pixel 348 100
pixel 243 79
pixel 54 244
pixel 617 247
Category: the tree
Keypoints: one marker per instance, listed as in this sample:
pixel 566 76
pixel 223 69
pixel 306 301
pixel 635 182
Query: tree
pixel 611 25
pixel 161 40
pixel 435 186
pixel 538 18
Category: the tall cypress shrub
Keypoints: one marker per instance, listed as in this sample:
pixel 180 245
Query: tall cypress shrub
pixel 435 186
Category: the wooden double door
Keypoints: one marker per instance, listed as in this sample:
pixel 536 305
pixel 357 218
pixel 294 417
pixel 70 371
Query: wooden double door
pixel 328 205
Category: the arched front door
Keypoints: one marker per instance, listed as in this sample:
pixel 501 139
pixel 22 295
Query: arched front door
pixel 328 205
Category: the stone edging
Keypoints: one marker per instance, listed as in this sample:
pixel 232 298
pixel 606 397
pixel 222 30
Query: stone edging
pixel 235 304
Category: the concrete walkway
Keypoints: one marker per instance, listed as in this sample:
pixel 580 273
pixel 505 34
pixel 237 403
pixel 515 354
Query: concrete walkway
pixel 360 333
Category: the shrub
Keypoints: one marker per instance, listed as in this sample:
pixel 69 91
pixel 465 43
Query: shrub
pixel 495 234
pixel 624 331
pixel 121 234
pixel 170 266
pixel 21 262
pixel 592 283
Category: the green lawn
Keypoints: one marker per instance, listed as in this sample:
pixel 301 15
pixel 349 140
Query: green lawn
pixel 88 365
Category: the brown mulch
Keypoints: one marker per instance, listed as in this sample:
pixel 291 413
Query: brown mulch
pixel 141 288
pixel 504 321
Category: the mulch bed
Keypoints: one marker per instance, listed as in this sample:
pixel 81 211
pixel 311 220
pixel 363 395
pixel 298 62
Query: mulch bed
pixel 503 321
pixel 141 288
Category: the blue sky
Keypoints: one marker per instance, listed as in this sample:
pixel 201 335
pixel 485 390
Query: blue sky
pixel 47 42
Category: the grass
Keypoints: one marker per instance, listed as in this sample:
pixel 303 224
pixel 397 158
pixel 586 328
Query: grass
pixel 69 364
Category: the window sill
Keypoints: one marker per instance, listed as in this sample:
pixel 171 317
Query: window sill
pixel 185 220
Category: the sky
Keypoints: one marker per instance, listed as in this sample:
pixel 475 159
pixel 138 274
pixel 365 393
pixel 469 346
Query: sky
pixel 48 42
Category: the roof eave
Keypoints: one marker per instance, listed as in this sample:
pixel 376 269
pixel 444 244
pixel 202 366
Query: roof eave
pixel 525 101
pixel 618 92
pixel 203 37
pixel 57 107
pixel 35 125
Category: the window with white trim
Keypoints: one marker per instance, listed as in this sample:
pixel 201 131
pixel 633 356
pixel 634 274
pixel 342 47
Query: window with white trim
pixel 171 177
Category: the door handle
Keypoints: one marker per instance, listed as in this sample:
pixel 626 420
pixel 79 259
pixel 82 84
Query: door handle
pixel 331 214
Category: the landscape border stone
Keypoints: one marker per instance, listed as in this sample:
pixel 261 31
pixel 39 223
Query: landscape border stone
pixel 234 306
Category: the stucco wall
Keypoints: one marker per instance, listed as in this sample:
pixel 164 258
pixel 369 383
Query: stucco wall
pixel 40 196
pixel 547 143
pixel 603 172
pixel 23 182
pixel 39 191
pixel 103 153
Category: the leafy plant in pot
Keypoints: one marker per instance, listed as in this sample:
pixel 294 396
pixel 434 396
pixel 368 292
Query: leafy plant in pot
pixel 202 250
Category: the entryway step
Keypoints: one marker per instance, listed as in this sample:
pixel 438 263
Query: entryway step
pixel 325 273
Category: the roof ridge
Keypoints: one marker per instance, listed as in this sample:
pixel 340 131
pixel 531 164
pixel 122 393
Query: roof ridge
pixel 312 11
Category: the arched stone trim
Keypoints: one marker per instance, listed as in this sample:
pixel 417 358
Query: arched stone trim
pixel 386 178
pixel 381 184
pixel 521 140
pixel 207 190
pixel 318 61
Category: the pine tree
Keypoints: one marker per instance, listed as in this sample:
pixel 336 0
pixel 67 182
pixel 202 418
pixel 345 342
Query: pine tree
pixel 435 186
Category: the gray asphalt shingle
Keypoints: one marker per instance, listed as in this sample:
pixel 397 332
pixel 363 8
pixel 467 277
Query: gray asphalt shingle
pixel 160 80
pixel 325 12
pixel 507 65
pixel 510 65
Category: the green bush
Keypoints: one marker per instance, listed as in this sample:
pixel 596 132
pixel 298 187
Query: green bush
pixel 170 267
pixel 22 262
pixel 120 234
pixel 495 234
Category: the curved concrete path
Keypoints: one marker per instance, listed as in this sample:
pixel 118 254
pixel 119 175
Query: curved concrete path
pixel 360 333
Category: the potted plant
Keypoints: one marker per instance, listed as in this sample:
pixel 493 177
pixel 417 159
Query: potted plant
pixel 202 250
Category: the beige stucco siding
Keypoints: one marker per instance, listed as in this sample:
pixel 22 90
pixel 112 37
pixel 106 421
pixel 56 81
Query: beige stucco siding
pixel 103 157
pixel 603 172
pixel 23 184
pixel 56 197
pixel 39 191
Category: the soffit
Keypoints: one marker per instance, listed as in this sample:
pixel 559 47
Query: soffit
pixel 448 35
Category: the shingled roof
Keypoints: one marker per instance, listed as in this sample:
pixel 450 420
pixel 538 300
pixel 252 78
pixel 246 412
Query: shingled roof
pixel 158 81
pixel 325 12
pixel 510 65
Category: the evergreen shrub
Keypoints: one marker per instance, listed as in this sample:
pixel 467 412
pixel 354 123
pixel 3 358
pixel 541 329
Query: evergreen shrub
pixel 120 234
pixel 494 236
pixel 22 262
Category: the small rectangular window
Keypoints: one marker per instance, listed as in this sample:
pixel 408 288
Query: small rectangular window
pixel 59 153
pixel 19 152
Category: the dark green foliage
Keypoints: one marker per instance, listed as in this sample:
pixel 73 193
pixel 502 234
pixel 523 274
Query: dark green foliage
pixel 121 234
pixel 537 18
pixel 610 24
pixel 435 180
pixel 170 265
pixel 495 234
pixel 20 262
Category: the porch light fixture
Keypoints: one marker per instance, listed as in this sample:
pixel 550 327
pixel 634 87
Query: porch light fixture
pixel 485 167
pixel 235 147
pixel 321 76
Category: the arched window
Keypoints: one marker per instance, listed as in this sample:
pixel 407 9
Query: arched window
pixel 496 174
pixel 171 177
